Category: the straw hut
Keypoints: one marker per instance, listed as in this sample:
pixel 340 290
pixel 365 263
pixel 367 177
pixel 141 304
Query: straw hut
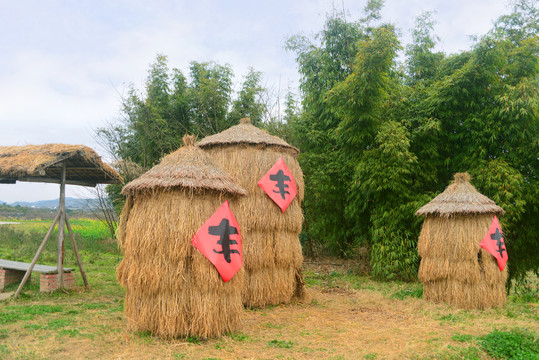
pixel 172 289
pixel 43 163
pixel 454 268
pixel 271 249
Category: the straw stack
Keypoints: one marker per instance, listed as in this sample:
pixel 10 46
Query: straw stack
pixel 172 289
pixel 454 268
pixel 271 248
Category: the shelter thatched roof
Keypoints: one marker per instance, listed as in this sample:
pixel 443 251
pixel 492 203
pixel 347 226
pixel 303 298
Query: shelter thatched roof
pixel 460 197
pixel 188 167
pixel 245 133
pixel 43 163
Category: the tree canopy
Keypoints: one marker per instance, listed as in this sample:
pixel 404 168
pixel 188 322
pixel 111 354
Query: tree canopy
pixel 380 138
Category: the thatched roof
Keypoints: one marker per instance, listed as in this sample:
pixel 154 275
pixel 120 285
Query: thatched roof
pixel 245 133
pixel 188 167
pixel 460 197
pixel 43 163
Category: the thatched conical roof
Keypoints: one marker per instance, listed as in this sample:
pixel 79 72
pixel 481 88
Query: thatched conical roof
pixel 188 167
pixel 460 197
pixel 245 133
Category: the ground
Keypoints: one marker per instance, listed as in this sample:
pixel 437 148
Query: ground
pixel 345 317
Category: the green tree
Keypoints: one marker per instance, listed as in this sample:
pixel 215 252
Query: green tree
pixel 153 121
pixel 249 101
pixel 322 64
pixel 422 64
pixel 210 96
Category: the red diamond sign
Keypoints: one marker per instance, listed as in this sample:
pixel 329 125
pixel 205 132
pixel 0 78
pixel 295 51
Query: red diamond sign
pixel 219 240
pixel 279 185
pixel 493 242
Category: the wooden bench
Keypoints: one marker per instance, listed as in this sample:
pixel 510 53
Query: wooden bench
pixel 13 272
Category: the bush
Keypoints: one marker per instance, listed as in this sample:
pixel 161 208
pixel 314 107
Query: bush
pixel 513 344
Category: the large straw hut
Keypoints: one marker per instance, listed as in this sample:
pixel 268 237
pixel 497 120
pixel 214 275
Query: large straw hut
pixel 172 289
pixel 271 248
pixel 454 268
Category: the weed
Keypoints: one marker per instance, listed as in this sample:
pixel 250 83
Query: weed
pixel 93 306
pixel 20 313
pixel 58 323
pixel 4 334
pixel 526 290
pixel 3 351
pixel 145 336
pixel 239 336
pixel 179 356
pixel 463 337
pixel 416 293
pixel 69 332
pixel 281 344
pixel 449 318
pixel 468 353
pixel 513 344
pixel 370 356
pixel 193 339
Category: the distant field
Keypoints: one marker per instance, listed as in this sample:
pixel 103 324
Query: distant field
pixel 20 242
pixel 347 316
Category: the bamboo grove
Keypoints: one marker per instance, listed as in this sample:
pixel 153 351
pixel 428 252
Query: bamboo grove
pixel 381 127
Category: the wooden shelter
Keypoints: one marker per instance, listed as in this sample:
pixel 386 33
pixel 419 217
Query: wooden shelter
pixel 454 268
pixel 55 163
pixel 271 246
pixel 172 289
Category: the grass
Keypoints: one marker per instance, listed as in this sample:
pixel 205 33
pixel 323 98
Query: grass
pixel 281 344
pixel 347 316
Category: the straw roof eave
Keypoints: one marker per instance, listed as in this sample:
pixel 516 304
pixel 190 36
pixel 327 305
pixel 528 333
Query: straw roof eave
pixel 460 198
pixel 187 168
pixel 246 133
pixel 43 163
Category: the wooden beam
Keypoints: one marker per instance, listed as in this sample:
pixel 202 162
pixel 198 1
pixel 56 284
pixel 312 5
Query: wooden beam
pixel 76 251
pixel 61 228
pixel 34 261
pixel 57 181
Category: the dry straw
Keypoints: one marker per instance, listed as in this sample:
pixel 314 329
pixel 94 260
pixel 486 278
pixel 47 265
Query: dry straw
pixel 34 162
pixel 454 268
pixel 271 248
pixel 172 289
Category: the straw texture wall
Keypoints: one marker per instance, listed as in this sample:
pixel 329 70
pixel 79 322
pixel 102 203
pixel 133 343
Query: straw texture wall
pixel 454 268
pixel 172 289
pixel 271 248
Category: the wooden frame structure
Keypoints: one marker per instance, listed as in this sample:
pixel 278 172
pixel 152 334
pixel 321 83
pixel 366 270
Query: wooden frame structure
pixel 55 163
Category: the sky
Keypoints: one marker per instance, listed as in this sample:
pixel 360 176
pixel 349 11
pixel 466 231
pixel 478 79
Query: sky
pixel 65 65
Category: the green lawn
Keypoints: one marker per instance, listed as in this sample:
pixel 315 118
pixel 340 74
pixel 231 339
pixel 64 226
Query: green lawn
pixel 347 316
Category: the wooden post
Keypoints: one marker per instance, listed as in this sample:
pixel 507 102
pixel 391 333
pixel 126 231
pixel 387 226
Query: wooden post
pixel 76 251
pixel 34 261
pixel 61 228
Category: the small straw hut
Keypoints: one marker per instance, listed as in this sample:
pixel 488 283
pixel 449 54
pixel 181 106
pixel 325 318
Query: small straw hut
pixel 271 248
pixel 172 289
pixel 454 268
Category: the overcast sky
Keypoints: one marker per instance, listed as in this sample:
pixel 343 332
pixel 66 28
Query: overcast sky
pixel 64 65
